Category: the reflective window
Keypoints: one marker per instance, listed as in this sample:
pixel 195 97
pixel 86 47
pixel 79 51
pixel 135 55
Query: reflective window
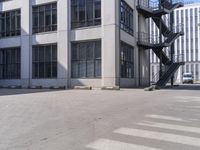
pixel 86 59
pixel 127 61
pixel 44 59
pixel 10 23
pixel 10 63
pixel 85 13
pixel 45 18
pixel 126 18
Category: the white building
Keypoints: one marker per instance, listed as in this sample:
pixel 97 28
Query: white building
pixel 72 43
pixel 188 45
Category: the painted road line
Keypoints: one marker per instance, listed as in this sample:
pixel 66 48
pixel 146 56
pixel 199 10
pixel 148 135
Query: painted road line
pixel 171 127
pixel 165 118
pixel 105 144
pixel 159 136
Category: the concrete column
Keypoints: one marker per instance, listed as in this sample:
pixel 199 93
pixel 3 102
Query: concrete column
pixel 63 42
pixel 110 43
pixel 144 55
pixel 26 16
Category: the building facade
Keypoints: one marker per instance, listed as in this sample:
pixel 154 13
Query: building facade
pixel 67 43
pixel 187 47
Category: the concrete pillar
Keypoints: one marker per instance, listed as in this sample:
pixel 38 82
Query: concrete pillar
pixel 26 16
pixel 63 42
pixel 144 55
pixel 110 43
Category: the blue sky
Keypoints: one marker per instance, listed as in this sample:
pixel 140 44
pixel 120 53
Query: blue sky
pixel 191 0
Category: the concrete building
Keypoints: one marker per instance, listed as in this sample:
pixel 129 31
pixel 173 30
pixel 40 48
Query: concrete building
pixel 72 43
pixel 187 46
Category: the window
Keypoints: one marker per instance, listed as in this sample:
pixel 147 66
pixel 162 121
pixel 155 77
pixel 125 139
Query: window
pixel 45 18
pixel 127 61
pixel 85 13
pixel 10 23
pixel 44 59
pixel 10 63
pixel 86 59
pixel 126 18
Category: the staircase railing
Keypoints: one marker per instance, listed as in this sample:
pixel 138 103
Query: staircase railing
pixel 179 58
pixel 154 5
pixel 148 38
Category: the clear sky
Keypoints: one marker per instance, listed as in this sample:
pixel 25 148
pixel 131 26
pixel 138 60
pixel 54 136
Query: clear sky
pixel 191 0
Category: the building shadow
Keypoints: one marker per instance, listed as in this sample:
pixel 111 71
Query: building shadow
pixel 183 87
pixel 7 92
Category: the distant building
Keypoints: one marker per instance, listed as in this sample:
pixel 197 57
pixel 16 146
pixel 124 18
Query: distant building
pixel 187 45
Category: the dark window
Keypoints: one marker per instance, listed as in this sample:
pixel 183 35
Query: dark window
pixel 10 63
pixel 126 22
pixel 85 13
pixel 44 59
pixel 127 61
pixel 45 18
pixel 10 23
pixel 86 59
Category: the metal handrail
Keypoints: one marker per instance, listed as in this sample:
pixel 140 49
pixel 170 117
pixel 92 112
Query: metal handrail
pixel 149 4
pixel 148 38
pixel 179 58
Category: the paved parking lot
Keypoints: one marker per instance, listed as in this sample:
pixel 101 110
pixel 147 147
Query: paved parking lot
pixel 130 119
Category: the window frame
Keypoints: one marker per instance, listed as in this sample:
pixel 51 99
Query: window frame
pixel 97 61
pixel 76 22
pixel 42 11
pixel 38 60
pixel 127 56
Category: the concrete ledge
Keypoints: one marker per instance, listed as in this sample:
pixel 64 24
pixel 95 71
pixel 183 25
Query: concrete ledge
pixel 110 88
pixel 83 87
pixel 35 87
pixel 14 87
pixel 152 88
pixel 57 87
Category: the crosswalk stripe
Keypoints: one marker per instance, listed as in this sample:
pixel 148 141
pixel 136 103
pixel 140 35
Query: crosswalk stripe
pixel 172 127
pixel 165 118
pixel 106 144
pixel 159 136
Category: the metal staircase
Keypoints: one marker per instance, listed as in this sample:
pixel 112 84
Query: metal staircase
pixel 168 35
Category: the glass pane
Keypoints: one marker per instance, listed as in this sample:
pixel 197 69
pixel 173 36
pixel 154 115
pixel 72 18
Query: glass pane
pixel 82 51
pixel 98 68
pixel 41 54
pixel 75 52
pixel 48 70
pixel 54 70
pixel 98 50
pixel 41 70
pixel 75 69
pixel 54 52
pixel 90 68
pixel 47 53
pixel 82 73
pixel 90 51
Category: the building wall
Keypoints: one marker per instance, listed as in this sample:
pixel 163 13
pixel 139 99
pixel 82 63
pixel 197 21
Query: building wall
pixel 187 45
pixel 108 32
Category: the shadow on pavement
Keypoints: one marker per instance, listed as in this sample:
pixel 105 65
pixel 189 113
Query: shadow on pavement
pixel 184 87
pixel 7 92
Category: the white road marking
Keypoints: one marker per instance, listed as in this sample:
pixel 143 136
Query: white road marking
pixel 105 144
pixel 172 127
pixel 160 136
pixel 189 98
pixel 165 118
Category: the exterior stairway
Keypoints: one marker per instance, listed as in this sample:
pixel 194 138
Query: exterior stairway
pixel 169 35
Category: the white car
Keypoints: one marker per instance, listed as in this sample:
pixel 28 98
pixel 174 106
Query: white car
pixel 188 78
